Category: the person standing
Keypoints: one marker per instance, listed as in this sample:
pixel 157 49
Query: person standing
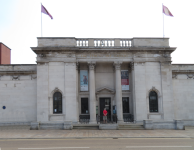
pixel 105 115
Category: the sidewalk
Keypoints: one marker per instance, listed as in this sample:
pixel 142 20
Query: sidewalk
pixel 25 133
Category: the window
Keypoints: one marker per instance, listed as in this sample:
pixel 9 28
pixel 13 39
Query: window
pixel 153 101
pixel 125 105
pixel 84 106
pixel 57 103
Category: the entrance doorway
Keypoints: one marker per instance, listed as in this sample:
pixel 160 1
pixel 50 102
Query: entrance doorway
pixel 105 103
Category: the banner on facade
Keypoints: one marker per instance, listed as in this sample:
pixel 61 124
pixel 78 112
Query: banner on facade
pixel 84 80
pixel 125 80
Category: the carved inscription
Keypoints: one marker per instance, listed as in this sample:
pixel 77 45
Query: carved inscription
pixel 93 55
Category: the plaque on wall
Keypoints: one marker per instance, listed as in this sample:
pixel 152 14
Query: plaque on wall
pixel 83 80
pixel 125 80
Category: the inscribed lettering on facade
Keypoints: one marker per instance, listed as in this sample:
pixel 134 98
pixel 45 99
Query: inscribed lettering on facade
pixel 84 80
pixel 125 80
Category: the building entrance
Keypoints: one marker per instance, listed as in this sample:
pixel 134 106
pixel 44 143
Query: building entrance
pixel 105 103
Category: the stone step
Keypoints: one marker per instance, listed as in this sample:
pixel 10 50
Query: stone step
pixel 189 127
pixel 86 127
pixel 131 127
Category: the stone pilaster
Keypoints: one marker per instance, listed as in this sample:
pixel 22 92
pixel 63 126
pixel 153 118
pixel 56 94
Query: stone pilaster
pixel 92 100
pixel 118 95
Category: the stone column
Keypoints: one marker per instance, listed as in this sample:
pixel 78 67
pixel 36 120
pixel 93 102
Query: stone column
pixel 118 95
pixel 77 89
pixel 133 89
pixel 92 91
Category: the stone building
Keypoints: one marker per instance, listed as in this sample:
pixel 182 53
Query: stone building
pixel 132 78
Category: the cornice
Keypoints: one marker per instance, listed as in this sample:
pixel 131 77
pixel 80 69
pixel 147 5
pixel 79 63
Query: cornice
pixel 17 72
pixel 39 50
pixel 183 71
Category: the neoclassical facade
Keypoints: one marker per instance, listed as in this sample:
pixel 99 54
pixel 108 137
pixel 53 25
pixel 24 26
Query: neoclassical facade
pixel 73 78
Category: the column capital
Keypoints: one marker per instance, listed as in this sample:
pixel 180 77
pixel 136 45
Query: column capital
pixel 117 65
pixel 131 66
pixel 91 65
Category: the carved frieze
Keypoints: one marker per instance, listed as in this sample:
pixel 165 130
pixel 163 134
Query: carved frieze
pixel 16 77
pixel 165 55
pixel 41 55
pixel 190 76
pixel 165 63
pixel 140 55
pixel 104 55
pixel 174 76
pixel 69 55
pixel 41 63
pixel 139 63
pixel 33 77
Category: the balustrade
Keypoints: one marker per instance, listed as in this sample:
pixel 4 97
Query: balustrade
pixel 105 43
pixel 82 42
pixel 125 43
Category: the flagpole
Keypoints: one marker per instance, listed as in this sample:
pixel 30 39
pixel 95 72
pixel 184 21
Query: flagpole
pixel 41 19
pixel 163 19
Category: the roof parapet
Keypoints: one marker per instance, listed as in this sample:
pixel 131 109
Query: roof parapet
pixel 102 42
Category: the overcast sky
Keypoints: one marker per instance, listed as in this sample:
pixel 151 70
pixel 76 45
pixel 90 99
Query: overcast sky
pixel 20 23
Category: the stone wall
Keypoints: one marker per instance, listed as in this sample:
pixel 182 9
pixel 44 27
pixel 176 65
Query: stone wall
pixel 104 75
pixel 18 93
pixel 183 89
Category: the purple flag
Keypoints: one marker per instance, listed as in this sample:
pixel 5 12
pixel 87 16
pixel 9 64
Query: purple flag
pixel 167 12
pixel 44 10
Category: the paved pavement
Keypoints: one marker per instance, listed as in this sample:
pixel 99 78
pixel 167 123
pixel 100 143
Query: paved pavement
pixel 99 144
pixel 24 132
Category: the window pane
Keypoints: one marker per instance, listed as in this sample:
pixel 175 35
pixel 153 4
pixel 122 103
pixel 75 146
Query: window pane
pixel 57 103
pixel 125 105
pixel 84 106
pixel 153 101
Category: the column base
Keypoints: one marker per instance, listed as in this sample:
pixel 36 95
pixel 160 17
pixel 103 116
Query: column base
pixel 120 121
pixel 93 122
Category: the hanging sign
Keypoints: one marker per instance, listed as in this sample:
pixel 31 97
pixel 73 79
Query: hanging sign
pixel 125 80
pixel 83 80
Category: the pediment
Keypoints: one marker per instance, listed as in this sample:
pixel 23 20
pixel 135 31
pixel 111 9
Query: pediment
pixel 105 90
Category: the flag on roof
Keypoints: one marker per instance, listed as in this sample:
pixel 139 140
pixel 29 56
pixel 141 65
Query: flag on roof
pixel 167 12
pixel 44 10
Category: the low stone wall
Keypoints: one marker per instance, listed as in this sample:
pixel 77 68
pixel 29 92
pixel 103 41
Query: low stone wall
pixel 67 125
pixel 188 122
pixel 14 123
pixel 175 124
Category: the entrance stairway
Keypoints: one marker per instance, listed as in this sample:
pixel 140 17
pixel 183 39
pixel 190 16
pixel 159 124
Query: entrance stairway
pixel 130 127
pixel 86 126
pixel 189 127
pixel 108 126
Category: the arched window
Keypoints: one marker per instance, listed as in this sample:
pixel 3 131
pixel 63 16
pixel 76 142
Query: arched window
pixel 153 101
pixel 57 103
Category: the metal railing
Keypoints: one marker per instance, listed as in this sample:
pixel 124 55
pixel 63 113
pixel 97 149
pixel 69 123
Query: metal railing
pixel 128 118
pixel 99 119
pixel 85 119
